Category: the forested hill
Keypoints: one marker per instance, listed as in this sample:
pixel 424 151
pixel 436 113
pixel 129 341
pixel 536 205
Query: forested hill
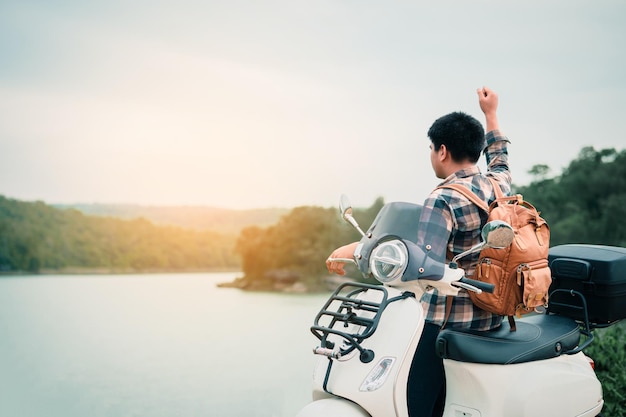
pixel 586 203
pixel 36 237
pixel 215 219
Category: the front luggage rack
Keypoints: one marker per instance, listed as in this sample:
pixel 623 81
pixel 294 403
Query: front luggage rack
pixel 357 307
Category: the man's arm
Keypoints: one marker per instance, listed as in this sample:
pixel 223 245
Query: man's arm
pixel 496 151
pixel 488 101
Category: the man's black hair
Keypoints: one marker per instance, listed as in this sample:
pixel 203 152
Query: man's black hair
pixel 462 134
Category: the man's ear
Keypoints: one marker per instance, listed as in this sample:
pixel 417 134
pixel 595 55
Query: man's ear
pixel 443 153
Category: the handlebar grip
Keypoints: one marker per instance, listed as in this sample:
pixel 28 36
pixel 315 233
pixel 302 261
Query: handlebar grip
pixel 486 287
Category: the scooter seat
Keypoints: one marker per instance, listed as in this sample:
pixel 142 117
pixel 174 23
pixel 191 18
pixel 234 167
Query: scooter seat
pixel 537 337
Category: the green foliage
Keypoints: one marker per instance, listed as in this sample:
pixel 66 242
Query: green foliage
pixel 609 355
pixel 35 237
pixel 587 202
pixel 295 249
pixel 539 171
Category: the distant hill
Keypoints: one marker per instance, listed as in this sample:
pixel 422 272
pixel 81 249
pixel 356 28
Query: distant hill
pixel 225 221
pixel 36 237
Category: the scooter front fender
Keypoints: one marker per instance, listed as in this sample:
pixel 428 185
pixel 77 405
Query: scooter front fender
pixel 332 407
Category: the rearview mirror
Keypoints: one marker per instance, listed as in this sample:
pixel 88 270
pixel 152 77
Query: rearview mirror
pixel 345 207
pixel 346 213
pixel 498 234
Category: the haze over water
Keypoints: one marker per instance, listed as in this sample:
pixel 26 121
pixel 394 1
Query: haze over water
pixel 152 345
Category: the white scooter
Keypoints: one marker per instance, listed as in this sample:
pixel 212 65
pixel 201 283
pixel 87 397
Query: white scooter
pixel 368 335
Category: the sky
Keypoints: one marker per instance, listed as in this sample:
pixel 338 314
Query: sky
pixel 281 103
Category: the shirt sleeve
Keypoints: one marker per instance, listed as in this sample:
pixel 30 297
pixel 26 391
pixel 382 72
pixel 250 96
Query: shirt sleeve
pixel 497 156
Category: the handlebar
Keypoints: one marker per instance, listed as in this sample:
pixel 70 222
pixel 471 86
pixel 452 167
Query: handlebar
pixel 341 260
pixel 483 286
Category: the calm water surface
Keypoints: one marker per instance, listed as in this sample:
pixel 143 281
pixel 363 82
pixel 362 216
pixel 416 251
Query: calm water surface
pixel 152 345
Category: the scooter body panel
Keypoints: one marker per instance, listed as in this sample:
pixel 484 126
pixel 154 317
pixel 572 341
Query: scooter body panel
pixel 564 386
pixel 394 342
pixel 332 407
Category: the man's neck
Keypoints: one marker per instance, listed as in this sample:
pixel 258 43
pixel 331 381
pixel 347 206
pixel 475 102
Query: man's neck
pixel 453 167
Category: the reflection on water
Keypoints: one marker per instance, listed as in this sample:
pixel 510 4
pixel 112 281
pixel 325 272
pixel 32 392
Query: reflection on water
pixel 152 345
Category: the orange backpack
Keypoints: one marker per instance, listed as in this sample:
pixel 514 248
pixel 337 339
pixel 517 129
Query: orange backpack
pixel 520 272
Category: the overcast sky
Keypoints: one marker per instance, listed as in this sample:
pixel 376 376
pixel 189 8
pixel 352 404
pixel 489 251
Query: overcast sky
pixel 281 103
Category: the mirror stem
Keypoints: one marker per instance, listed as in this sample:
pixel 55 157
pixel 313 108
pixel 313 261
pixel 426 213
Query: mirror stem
pixel 474 249
pixel 354 223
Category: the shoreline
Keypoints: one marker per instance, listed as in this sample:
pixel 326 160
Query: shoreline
pixel 325 285
pixel 114 271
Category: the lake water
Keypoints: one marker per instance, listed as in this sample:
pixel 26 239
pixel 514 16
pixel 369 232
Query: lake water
pixel 152 345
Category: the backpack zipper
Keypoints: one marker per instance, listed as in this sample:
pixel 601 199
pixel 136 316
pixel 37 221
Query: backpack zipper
pixel 520 269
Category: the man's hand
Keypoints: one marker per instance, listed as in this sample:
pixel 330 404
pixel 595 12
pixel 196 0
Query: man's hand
pixel 343 252
pixel 488 101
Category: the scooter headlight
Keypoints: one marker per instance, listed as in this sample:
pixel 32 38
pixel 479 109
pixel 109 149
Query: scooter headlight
pixel 388 260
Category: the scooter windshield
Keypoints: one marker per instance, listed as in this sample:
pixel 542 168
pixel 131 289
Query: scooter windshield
pixel 433 234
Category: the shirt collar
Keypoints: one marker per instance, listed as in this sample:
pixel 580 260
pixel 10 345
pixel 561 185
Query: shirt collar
pixel 462 173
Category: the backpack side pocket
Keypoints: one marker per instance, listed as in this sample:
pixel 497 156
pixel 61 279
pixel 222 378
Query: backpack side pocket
pixel 491 271
pixel 534 279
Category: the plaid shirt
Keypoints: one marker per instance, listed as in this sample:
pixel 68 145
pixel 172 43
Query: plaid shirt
pixel 463 221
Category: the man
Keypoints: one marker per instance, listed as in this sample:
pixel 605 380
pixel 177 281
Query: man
pixel 457 140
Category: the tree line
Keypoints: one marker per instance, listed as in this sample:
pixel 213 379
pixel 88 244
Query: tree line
pixel 35 237
pixel 586 203
pixel 295 249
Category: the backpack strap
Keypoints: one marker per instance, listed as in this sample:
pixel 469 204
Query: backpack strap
pixel 449 299
pixel 473 197
pixel 468 194
pixel 512 323
pixel 496 187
